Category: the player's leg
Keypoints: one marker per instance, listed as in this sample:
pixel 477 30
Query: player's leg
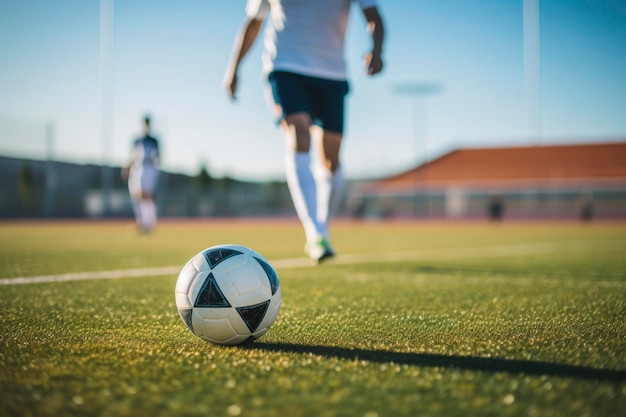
pixel 329 111
pixel 148 208
pixel 136 201
pixel 148 213
pixel 134 189
pixel 290 102
pixel 298 171
pixel 329 178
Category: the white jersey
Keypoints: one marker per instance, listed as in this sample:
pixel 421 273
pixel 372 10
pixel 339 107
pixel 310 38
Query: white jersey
pixel 145 152
pixel 305 36
pixel 144 171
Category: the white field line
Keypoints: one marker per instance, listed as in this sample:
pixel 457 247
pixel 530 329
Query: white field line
pixel 436 254
pixel 79 276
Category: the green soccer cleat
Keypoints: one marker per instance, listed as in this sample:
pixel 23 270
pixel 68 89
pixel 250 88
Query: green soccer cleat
pixel 319 251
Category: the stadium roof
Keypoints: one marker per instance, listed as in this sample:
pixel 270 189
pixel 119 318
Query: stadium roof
pixel 550 165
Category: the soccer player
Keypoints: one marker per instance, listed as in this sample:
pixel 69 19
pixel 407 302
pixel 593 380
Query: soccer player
pixel 142 174
pixel 306 72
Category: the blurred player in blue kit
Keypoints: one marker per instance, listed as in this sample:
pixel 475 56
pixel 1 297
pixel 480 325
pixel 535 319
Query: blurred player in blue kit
pixel 142 173
pixel 306 72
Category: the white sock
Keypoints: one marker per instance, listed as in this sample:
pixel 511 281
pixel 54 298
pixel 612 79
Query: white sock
pixel 148 214
pixel 338 185
pixel 329 192
pixel 137 211
pixel 324 183
pixel 303 191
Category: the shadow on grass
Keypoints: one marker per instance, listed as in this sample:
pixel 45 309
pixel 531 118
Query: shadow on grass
pixel 449 361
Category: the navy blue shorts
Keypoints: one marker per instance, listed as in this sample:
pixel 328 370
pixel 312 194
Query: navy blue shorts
pixel 321 98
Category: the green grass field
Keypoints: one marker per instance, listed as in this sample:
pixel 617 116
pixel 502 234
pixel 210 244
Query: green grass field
pixel 412 319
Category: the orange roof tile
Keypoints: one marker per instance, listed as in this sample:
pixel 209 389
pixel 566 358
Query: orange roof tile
pixel 515 166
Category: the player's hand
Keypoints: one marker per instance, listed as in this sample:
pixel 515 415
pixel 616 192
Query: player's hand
pixel 230 84
pixel 373 63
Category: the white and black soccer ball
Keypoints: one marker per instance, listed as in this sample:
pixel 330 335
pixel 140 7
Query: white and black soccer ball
pixel 228 295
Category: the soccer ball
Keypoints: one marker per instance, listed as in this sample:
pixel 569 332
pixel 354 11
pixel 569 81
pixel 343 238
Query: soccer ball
pixel 228 295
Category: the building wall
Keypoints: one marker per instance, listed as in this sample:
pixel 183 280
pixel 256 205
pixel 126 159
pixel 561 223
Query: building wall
pixel 37 189
pixel 563 202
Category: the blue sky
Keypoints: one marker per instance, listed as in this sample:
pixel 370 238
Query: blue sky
pixel 169 60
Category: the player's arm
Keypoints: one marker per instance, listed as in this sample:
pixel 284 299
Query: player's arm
pixel 157 155
pixel 373 60
pixel 243 42
pixel 125 171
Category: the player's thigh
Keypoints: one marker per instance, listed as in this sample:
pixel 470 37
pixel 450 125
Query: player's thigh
pixel 329 147
pixel 149 181
pixel 328 104
pixel 289 94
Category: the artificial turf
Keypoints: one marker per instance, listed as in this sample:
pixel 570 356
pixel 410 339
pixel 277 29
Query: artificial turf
pixel 438 319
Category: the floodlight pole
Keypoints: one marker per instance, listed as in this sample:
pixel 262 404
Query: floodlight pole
pixel 107 14
pixel 51 180
pixel 418 90
pixel 532 70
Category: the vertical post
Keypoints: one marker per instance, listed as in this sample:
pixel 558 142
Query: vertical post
pixel 420 136
pixel 532 70
pixel 417 91
pixel 50 171
pixel 107 13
